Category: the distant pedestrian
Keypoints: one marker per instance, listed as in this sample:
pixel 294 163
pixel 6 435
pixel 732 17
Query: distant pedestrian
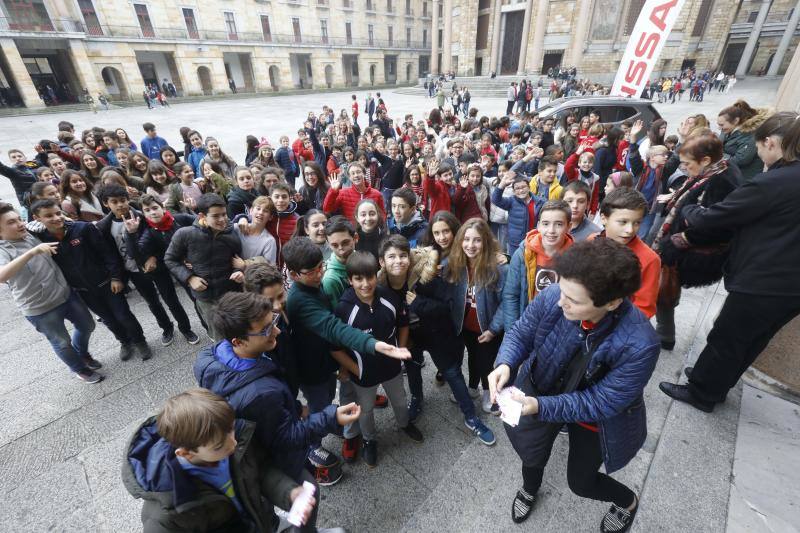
pixel 146 97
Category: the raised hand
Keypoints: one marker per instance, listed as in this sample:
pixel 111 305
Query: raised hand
pixel 336 182
pixel 132 223
pixel 637 128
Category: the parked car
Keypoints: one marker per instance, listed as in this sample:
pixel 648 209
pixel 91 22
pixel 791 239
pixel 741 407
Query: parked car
pixel 613 109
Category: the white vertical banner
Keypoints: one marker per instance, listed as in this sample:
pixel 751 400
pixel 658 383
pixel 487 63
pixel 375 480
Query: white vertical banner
pixel 646 42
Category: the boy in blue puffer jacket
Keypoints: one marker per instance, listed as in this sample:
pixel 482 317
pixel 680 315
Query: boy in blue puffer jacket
pixel 523 208
pixel 581 355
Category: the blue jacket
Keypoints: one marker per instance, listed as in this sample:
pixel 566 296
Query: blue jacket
pixel 515 292
pixel 490 314
pixel 414 230
pixel 543 342
pixel 195 158
pixel 517 215
pixel 152 147
pixel 284 159
pixel 257 391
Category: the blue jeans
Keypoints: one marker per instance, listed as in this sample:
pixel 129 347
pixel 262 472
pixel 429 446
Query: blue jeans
pixel 318 397
pixel 455 379
pixel 647 223
pixel 51 325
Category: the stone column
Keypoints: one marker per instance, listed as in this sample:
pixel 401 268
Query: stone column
pixel 22 80
pixel 788 98
pixel 434 38
pixel 579 35
pixel 526 30
pixel 750 47
pixel 534 64
pixel 83 67
pixel 786 39
pixel 447 40
pixel 496 44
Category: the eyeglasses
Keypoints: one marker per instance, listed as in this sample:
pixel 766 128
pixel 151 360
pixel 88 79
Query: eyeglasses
pixel 320 267
pixel 267 331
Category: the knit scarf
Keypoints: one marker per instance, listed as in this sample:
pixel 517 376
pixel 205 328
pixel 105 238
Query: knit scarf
pixel 165 224
pixel 679 198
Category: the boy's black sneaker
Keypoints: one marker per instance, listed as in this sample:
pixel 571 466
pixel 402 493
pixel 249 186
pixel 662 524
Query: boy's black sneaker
pixel 439 379
pixel 167 336
pixel 322 458
pixel 326 476
pixel 144 350
pixel 522 506
pixel 125 352
pixel 617 520
pixel 413 432
pixel 191 337
pixel 371 453
pixel 89 376
pixel 91 363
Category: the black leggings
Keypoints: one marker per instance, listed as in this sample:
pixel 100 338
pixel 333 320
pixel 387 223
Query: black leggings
pixel 583 475
pixel 481 357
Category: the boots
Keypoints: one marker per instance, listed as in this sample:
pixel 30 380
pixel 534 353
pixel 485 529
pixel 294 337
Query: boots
pixel 665 326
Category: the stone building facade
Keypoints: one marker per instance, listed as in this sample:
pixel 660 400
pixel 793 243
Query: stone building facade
pixel 117 47
pixel 530 36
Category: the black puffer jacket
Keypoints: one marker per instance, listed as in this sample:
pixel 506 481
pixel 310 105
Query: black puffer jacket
pixel 210 254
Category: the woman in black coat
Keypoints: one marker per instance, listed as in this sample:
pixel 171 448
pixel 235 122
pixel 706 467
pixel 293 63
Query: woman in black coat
pixel 762 274
pixel 692 256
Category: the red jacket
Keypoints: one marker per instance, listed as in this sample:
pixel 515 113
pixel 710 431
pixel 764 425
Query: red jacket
pixel 281 227
pixel 438 193
pixel 466 204
pixel 573 173
pixel 345 200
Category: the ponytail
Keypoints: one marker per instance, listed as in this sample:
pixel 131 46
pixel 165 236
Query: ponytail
pixel 785 125
pixel 740 110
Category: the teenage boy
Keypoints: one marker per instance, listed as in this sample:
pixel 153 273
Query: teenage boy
pixel 198 468
pixel 544 183
pixel 577 195
pixel 406 220
pixel 240 369
pixel 379 311
pixel 122 228
pixel 531 271
pixel 580 167
pixel 27 265
pixel 152 143
pixel 20 174
pixel 621 214
pixel 209 245
pixel 265 279
pixel 283 224
pixel 523 208
pixel 287 160
pixel 93 269
pixel 342 239
pixel 437 183
pixel 315 329
pixel 107 150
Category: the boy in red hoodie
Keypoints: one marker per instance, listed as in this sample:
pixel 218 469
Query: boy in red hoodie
pixel 621 213
pixel 530 269
pixel 437 183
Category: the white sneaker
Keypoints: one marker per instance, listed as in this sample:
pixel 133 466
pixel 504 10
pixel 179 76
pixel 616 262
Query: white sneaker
pixel 474 393
pixel 486 402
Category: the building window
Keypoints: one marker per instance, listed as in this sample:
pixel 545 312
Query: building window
pixel 424 9
pixel 702 18
pixel 441 10
pixel 323 28
pixel 424 38
pixel 90 17
pixel 390 32
pixel 751 18
pixel 370 7
pixel 389 6
pixel 408 37
pixel 144 20
pixel 408 7
pixel 190 22
pixel 27 16
pixel 634 9
pixel 230 25
pixel 371 34
pixel 266 31
pixel 347 4
pixel 483 32
pixel 484 4
pixel 440 41
pixel 348 32
pixel 296 29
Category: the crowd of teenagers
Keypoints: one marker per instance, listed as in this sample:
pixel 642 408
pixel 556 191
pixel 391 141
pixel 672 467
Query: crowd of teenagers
pixel 338 259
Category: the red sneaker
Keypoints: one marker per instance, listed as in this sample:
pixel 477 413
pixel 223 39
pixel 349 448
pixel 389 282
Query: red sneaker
pixel 381 401
pixel 350 449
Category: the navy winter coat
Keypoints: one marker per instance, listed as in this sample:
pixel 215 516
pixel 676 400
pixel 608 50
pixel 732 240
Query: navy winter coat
pixel 85 257
pixel 257 391
pixel 414 231
pixel 545 340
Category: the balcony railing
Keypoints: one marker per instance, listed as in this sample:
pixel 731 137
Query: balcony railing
pixel 182 34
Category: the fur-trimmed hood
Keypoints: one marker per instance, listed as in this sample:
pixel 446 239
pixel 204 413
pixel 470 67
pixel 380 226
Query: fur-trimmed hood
pixel 424 266
pixel 750 125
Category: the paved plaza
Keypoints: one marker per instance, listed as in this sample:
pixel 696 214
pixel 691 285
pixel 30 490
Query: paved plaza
pixel 61 441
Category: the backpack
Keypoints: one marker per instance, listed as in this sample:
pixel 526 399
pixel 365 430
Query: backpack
pixel 528 93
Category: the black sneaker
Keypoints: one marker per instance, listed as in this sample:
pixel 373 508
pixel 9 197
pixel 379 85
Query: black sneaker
pixel 144 350
pixel 617 520
pixel 167 336
pixel 326 476
pixel 413 432
pixel 439 379
pixel 522 506
pixel 125 352
pixel 191 337
pixel 371 453
pixel 89 376
pixel 91 363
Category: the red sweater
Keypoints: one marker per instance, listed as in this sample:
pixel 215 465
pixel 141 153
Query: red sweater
pixel 345 200
pixel 281 228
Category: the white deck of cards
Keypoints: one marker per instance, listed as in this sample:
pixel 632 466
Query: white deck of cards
pixel 510 409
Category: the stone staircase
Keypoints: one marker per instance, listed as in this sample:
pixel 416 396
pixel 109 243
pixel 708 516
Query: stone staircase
pixel 483 86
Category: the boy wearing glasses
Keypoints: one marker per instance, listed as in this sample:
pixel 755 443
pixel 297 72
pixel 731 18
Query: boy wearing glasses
pixel 240 369
pixel 315 331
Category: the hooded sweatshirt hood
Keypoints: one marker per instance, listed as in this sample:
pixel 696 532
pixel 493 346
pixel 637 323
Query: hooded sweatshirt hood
pixel 219 369
pixel 538 263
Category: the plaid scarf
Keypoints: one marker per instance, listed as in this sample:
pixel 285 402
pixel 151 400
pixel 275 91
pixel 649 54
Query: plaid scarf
pixel 679 198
